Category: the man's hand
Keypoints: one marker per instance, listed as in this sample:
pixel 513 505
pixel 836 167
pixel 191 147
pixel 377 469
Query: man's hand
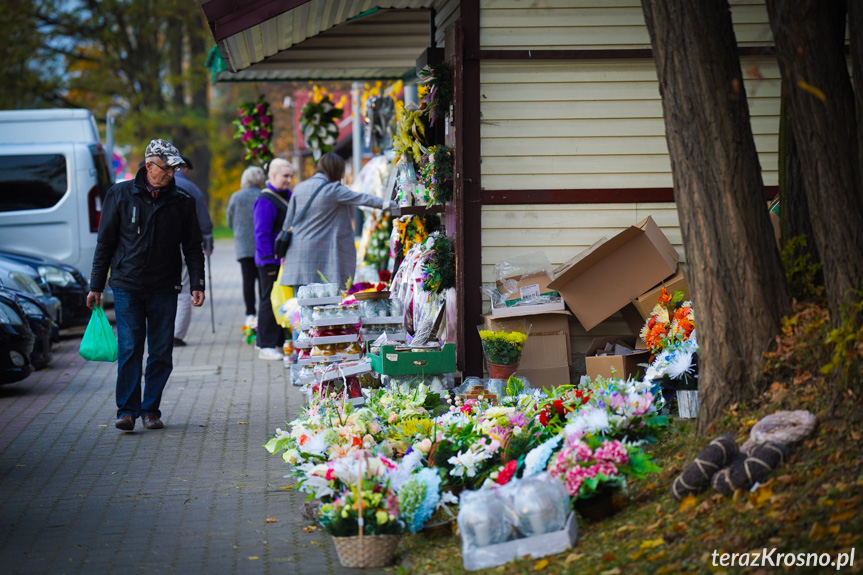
pixel 208 244
pixel 197 298
pixel 94 299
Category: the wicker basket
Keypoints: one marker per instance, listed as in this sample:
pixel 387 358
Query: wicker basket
pixel 366 551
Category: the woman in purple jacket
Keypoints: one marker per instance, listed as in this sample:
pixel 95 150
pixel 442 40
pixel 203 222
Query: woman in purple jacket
pixel 269 214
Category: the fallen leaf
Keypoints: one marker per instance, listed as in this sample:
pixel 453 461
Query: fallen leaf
pixel 310 528
pixel 541 564
pixel 856 436
pixel 705 506
pixel 243 423
pixel 615 571
pixel 680 527
pixel 844 516
pixel 687 503
pixel 254 558
pixel 761 497
pixel 812 90
pixel 817 532
pixel 656 556
pixel 636 555
pixel 287 487
pixel 624 529
pixel 651 543
pixel 785 479
pixel 608 557
pixel 845 504
pixel 103 426
pixel 271 520
pixel 572 558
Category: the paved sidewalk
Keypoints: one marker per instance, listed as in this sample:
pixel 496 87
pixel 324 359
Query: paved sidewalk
pixel 79 496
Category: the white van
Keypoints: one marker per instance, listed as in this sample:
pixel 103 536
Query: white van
pixel 53 177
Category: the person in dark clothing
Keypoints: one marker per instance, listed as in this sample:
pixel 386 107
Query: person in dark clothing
pixel 269 215
pixel 184 299
pixel 147 226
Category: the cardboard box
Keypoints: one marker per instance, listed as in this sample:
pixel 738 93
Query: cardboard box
pixel 545 376
pixel 511 311
pixel 547 345
pixel 537 546
pixel 622 366
pixel 531 285
pixel 646 301
pixel 606 276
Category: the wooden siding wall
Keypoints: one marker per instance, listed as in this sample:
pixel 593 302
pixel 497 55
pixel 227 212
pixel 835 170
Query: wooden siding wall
pixel 585 124
pixel 593 24
pixel 446 13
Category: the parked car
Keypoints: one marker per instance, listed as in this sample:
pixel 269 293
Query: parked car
pixel 16 341
pixel 65 282
pixel 20 278
pixel 44 328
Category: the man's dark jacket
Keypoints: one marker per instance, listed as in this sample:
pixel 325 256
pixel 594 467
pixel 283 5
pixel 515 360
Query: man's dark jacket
pixel 141 239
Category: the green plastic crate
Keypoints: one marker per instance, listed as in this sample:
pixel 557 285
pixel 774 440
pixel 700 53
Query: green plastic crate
pixel 392 362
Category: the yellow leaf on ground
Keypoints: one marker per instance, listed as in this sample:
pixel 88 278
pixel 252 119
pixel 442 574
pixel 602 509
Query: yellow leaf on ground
pixel 541 564
pixel 607 557
pixel 287 487
pixel 845 504
pixel 636 555
pixel 254 558
pixel 840 517
pixel 615 571
pixel 656 556
pixel 651 543
pixel 761 496
pixel 817 532
pixel 624 529
pixel 103 426
pixel 310 528
pixel 573 557
pixel 243 423
pixel 687 503
pixel 856 436
pixel 271 520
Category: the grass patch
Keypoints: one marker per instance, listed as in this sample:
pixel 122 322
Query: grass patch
pixel 222 232
pixel 811 504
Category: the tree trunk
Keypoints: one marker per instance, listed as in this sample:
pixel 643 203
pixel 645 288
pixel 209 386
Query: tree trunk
pixel 810 45
pixel 739 288
pixel 793 206
pixel 199 89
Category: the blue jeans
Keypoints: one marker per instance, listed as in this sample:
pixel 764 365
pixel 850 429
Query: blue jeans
pixel 141 315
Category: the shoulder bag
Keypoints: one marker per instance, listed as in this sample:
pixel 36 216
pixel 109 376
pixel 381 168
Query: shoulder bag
pixel 283 240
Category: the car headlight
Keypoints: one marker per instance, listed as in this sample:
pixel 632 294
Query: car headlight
pixel 56 276
pixel 26 284
pixel 9 315
pixel 29 307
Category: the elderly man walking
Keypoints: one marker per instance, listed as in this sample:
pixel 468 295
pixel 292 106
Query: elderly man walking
pixel 147 225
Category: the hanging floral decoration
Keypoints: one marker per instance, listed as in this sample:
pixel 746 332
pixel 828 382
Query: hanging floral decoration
pixel 410 138
pixel 436 174
pixel 319 122
pixel 255 130
pixel 438 273
pixel 378 249
pixel 437 100
pixel 410 230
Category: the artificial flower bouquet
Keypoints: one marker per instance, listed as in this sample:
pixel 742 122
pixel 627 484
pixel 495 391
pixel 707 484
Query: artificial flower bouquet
pixel 255 130
pixel 671 321
pixel 676 367
pixel 588 466
pixel 502 346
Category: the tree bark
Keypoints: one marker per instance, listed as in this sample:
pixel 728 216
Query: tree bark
pixel 793 207
pixel 810 46
pixel 739 288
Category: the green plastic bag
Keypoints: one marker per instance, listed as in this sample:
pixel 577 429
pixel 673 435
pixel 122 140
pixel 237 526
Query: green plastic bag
pixel 99 342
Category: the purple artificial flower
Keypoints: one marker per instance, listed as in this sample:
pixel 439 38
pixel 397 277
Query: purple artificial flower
pixel 247 120
pixel 260 109
pixel 265 120
pixel 517 419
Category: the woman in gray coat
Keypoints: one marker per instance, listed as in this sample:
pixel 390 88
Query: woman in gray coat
pixel 323 240
pixel 241 221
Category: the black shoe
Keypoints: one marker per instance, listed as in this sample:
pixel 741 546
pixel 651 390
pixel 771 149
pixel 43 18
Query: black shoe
pixel 153 422
pixel 179 342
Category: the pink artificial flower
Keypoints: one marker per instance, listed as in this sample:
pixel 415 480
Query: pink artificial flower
pixel 266 120
pixel 507 472
pixel 612 451
pixel 260 109
pixel 247 120
pixel 393 417
pixel 265 133
pixel 248 134
pixel 331 474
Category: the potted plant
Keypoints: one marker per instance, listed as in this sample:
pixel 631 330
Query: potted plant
pixel 502 347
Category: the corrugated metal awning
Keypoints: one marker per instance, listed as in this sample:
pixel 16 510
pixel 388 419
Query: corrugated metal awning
pixel 319 39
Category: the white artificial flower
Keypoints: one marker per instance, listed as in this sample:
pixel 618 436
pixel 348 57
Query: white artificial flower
pixel 681 363
pixel 316 445
pixel 465 462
